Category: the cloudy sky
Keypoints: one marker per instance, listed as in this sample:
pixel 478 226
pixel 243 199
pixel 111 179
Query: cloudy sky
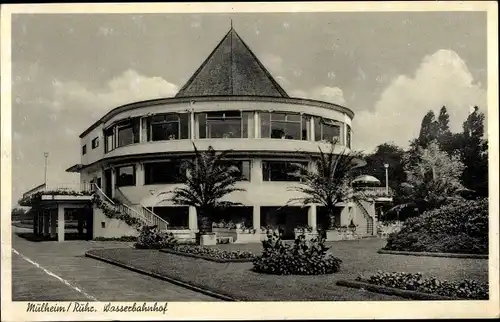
pixel 389 68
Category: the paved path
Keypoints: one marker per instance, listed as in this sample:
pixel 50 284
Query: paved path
pixel 52 271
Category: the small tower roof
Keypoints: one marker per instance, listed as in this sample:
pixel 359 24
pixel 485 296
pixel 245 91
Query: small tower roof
pixel 232 69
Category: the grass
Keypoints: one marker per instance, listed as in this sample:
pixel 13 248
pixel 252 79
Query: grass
pixel 237 280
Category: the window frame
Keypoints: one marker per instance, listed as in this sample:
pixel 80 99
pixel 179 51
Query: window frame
pixel 323 121
pixel 268 116
pixel 203 130
pixel 265 164
pixel 84 149
pixel 95 143
pixel 148 164
pixel 127 124
pixel 179 118
pixel 134 174
pixel 245 178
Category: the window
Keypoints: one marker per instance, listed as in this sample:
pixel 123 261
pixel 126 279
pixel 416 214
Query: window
pixel 283 126
pixel 168 127
pixel 228 124
pixel 280 171
pixel 95 143
pixel 348 137
pixel 163 172
pixel 125 176
pixel 108 139
pixel 326 130
pixel 127 132
pixel 243 167
pixel 84 149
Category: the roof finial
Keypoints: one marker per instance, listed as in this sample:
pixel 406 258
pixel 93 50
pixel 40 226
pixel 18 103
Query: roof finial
pixel 231 23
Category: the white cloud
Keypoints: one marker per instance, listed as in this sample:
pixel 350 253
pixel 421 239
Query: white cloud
pixel 325 93
pixel 442 79
pixel 128 87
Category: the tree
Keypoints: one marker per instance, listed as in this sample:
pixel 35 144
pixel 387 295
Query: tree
pixel 18 214
pixel 435 179
pixel 328 180
pixel 429 129
pixel 209 177
pixel 474 153
pixel 444 135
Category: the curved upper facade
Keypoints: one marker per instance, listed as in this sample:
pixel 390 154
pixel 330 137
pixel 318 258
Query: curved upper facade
pixel 230 102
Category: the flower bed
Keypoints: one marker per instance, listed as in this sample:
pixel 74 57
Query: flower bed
pixel 466 289
pixel 211 253
pixel 305 257
pixel 459 227
pixel 151 238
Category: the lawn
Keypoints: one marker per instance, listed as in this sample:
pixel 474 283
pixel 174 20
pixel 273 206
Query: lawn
pixel 237 280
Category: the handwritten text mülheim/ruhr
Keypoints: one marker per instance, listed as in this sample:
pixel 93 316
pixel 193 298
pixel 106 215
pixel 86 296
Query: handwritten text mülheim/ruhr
pixel 83 307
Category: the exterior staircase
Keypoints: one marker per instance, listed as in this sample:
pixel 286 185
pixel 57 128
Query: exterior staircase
pixel 369 219
pixel 141 213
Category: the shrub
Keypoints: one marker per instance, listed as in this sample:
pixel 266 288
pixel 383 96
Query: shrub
pixel 212 252
pixel 467 289
pixel 302 258
pixel 152 238
pixel 458 227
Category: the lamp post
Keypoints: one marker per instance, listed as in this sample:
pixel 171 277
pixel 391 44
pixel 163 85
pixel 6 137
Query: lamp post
pixel 46 155
pixel 386 166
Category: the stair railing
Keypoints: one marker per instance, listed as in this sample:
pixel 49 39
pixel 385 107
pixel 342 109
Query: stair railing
pixel 121 207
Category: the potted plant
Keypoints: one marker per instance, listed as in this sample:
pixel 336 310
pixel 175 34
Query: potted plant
pixel 205 236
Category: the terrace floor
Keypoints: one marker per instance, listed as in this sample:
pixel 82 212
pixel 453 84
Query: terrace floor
pixel 33 261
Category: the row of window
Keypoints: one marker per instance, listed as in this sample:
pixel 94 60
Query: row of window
pixel 227 124
pixel 166 172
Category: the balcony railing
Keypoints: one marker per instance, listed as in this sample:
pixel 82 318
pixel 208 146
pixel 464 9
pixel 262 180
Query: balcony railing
pixel 375 191
pixel 62 187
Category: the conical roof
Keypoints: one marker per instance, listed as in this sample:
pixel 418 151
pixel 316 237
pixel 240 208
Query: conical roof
pixel 231 69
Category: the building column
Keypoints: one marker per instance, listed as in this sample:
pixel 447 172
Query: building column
pixel 256 171
pixel 344 128
pixel 60 223
pixel 113 182
pixel 312 130
pixel 256 125
pixel 193 218
pixel 46 223
pixel 139 174
pixel 40 222
pixel 256 217
pixel 53 224
pixel 35 223
pixel 311 217
pixel 192 126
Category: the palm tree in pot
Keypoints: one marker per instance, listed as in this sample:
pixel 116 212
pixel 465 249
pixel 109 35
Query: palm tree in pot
pixel 207 177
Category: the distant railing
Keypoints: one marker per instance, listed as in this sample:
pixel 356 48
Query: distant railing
pixel 380 191
pixel 66 187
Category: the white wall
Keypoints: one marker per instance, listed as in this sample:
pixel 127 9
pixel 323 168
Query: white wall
pixel 113 227
pixel 96 154
pixel 251 145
